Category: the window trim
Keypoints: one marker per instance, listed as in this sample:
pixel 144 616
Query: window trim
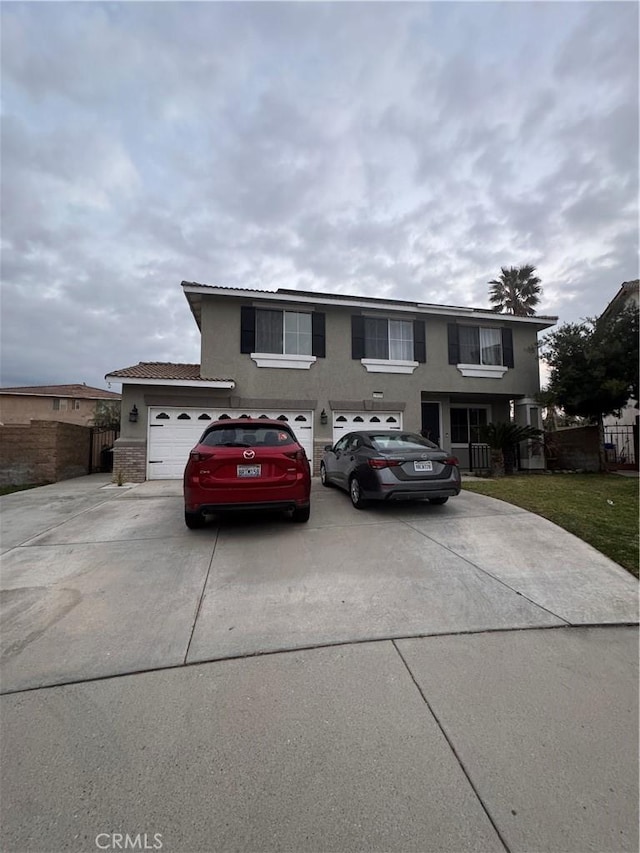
pixel 275 359
pixel 388 365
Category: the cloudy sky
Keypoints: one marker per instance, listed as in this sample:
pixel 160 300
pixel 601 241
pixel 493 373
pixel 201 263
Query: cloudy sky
pixel 406 150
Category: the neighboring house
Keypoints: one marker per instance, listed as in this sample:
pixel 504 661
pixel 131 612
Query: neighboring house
pixel 627 295
pixel 330 363
pixel 72 404
pixel 621 433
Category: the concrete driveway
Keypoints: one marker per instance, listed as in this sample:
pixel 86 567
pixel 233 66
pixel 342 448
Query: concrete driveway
pixel 408 711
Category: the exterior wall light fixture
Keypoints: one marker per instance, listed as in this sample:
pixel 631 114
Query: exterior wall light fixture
pixel 323 417
pixel 133 415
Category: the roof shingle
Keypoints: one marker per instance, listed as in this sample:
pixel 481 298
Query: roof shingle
pixel 164 370
pixel 76 391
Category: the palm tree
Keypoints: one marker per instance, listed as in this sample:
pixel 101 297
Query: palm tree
pixel 516 291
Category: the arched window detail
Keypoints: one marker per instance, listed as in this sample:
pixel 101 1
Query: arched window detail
pixel 264 417
pixel 163 416
pixel 301 418
pixel 374 420
pixel 204 417
pixel 392 420
pixel 184 417
pixel 282 418
pixel 358 420
pixel 246 417
pixel 224 418
pixel 341 419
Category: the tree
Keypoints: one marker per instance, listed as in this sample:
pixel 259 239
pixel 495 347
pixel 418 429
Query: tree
pixel 107 414
pixel 594 366
pixel 517 291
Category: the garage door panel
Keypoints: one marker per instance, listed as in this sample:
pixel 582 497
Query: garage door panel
pixel 173 432
pixel 344 422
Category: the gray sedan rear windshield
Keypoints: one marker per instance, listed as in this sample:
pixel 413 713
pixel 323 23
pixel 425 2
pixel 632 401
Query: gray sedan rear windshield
pixel 400 441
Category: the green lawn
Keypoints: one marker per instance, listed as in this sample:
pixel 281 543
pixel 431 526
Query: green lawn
pixel 602 509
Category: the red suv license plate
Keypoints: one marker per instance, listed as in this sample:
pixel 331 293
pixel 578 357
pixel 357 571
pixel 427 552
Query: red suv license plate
pixel 249 470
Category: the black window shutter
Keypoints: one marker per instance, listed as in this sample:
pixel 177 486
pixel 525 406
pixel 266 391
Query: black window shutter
pixel 454 347
pixel 357 336
pixel 317 335
pixel 419 341
pixel 247 328
pixel 507 348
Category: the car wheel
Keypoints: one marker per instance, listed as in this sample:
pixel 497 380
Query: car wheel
pixel 193 520
pixel 301 514
pixel 323 475
pixel 355 493
pixel 438 501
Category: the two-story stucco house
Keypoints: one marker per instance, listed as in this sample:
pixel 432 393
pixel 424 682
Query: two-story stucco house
pixel 329 363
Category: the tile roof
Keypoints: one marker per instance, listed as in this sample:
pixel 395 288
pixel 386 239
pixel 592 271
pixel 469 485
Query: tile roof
pixel 76 391
pixel 163 370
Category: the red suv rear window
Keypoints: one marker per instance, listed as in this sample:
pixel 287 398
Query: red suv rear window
pixel 248 436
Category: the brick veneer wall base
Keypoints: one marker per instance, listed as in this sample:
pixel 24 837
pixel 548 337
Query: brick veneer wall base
pixel 129 461
pixel 43 452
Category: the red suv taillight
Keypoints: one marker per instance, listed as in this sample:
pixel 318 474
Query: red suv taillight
pixel 384 463
pixel 196 456
pixel 451 460
pixel 298 455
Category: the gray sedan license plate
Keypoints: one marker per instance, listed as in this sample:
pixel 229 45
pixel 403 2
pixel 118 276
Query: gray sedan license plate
pixel 420 467
pixel 249 470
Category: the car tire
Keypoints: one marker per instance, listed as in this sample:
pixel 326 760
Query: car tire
pixel 193 520
pixel 355 493
pixel 301 514
pixel 323 475
pixel 438 501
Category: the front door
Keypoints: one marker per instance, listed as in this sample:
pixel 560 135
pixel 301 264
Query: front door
pixel 431 421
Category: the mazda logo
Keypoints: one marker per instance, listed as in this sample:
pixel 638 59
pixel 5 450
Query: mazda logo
pixel 249 454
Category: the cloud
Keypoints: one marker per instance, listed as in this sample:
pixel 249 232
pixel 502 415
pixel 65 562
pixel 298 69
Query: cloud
pixel 400 150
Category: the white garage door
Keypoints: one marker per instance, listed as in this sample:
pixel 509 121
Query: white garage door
pixel 344 422
pixel 173 432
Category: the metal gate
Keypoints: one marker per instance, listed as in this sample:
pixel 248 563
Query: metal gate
pixel 101 444
pixel 621 445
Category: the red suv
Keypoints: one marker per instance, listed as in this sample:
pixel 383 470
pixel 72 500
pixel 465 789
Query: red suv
pixel 249 463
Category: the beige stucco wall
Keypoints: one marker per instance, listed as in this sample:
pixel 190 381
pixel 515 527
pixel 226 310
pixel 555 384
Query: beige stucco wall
pixel 20 409
pixel 339 377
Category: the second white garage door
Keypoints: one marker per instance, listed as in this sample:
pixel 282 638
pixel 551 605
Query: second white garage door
pixel 172 433
pixel 344 422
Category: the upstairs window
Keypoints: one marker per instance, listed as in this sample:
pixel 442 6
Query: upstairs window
pixel 286 332
pixel 480 345
pixel 60 404
pixel 265 330
pixel 388 340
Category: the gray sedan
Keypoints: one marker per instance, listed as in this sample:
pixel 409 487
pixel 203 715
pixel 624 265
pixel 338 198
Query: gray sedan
pixel 390 465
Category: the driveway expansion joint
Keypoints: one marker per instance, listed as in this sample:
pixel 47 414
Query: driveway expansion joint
pixel 489 574
pixel 312 647
pixel 457 757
